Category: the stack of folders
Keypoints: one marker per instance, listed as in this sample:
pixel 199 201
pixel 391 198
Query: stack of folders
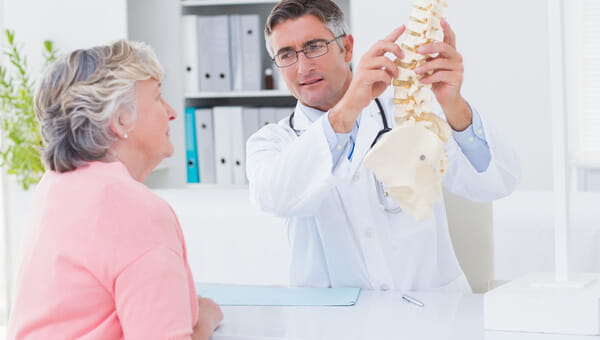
pixel 222 53
pixel 216 140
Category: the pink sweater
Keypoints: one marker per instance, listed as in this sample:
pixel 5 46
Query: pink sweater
pixel 105 260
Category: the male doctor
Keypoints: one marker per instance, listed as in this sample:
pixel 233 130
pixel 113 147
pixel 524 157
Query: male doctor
pixel 308 167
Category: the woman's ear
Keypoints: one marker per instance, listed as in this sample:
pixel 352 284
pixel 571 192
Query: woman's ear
pixel 118 127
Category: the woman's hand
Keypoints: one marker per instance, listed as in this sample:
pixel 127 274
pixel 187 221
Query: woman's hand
pixel 210 315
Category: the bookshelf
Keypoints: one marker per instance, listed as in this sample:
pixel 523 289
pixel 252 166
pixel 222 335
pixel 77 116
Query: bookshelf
pixel 158 22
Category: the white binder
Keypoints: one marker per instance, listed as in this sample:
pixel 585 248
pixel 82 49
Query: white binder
pixel 189 34
pixel 223 134
pixel 251 35
pixel 283 113
pixel 204 52
pixel 251 122
pixel 267 115
pixel 205 145
pixel 219 53
pixel 238 145
pixel 236 52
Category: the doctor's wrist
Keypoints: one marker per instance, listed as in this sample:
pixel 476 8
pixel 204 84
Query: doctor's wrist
pixel 342 118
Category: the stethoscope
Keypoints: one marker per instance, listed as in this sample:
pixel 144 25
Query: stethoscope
pixel 381 132
pixel 380 190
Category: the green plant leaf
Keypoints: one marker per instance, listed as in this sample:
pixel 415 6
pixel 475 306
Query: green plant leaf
pixel 20 154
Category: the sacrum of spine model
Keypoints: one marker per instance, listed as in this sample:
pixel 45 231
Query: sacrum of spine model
pixel 411 160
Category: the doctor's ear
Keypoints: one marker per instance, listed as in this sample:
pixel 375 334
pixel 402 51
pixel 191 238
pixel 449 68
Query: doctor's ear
pixel 348 41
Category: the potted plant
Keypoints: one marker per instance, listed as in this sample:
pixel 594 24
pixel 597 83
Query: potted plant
pixel 21 139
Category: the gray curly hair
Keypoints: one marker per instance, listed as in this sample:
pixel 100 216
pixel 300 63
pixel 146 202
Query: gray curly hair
pixel 325 10
pixel 82 93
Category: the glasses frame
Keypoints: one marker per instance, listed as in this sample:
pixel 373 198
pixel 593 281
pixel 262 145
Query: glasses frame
pixel 302 50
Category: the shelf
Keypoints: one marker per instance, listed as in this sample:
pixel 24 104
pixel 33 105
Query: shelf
pixel 199 3
pixel 238 94
pixel 278 98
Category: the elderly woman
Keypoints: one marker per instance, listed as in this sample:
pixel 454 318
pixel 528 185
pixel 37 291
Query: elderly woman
pixel 106 259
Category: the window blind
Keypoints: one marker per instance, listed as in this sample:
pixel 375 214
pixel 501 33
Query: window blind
pixel 582 55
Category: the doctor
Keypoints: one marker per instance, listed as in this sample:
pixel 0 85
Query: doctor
pixel 308 168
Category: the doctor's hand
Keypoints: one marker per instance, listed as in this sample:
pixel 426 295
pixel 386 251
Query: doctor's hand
pixel 209 317
pixel 446 78
pixel 371 78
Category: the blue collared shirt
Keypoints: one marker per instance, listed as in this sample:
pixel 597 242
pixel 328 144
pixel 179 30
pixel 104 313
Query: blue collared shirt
pixel 471 141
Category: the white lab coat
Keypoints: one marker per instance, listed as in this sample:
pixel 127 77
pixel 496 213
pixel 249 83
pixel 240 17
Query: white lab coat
pixel 340 235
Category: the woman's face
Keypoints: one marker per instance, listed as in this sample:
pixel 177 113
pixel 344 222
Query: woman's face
pixel 150 133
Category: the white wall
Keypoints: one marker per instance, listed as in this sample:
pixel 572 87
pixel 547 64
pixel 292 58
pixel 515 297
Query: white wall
pixel 505 48
pixel 71 24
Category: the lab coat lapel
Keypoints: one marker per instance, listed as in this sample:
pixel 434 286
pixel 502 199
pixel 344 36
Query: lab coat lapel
pixel 369 125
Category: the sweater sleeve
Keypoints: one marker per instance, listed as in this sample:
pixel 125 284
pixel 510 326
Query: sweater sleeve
pixel 152 297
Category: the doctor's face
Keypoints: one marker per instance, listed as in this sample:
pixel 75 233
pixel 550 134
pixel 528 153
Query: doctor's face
pixel 318 82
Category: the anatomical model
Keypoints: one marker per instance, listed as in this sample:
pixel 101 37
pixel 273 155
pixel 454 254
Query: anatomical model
pixel 410 160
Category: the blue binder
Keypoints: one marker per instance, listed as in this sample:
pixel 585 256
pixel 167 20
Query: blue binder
pixel 191 147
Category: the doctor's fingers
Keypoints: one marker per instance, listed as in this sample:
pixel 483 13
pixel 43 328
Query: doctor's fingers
pixel 448 77
pixel 449 35
pixel 379 63
pixel 443 49
pixel 382 47
pixel 437 64
pixel 373 77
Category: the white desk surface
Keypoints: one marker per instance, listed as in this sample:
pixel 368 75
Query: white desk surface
pixel 377 315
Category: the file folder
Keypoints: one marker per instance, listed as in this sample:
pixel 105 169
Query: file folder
pixel 204 52
pixel 251 47
pixel 223 155
pixel 267 115
pixel 251 122
pixel 190 145
pixel 283 113
pixel 205 145
pixel 236 51
pixel 218 50
pixel 238 145
pixel 228 295
pixel 189 30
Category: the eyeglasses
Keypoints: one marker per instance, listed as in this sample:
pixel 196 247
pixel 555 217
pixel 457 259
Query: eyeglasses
pixel 289 57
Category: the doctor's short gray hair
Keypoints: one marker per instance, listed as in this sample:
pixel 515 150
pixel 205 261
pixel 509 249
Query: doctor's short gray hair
pixel 325 10
pixel 82 92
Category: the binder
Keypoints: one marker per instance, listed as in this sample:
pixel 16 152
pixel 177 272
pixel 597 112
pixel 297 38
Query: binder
pixel 218 50
pixel 204 52
pixel 190 145
pixel 205 145
pixel 223 155
pixel 267 115
pixel 251 47
pixel 238 145
pixel 189 35
pixel 251 122
pixel 283 113
pixel 236 52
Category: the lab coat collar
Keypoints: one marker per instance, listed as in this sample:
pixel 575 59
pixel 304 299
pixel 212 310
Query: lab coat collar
pixel 369 122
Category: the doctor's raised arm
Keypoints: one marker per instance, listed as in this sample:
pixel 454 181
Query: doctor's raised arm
pixel 309 167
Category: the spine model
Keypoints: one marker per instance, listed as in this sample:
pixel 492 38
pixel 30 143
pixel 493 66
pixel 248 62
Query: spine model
pixel 411 160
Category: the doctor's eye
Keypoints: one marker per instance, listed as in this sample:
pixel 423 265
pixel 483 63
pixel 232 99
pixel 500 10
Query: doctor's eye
pixel 286 55
pixel 315 49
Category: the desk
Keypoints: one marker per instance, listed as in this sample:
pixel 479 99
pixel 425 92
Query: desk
pixel 377 315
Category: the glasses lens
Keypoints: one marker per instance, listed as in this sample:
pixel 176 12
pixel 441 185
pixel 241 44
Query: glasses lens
pixel 315 50
pixel 286 58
